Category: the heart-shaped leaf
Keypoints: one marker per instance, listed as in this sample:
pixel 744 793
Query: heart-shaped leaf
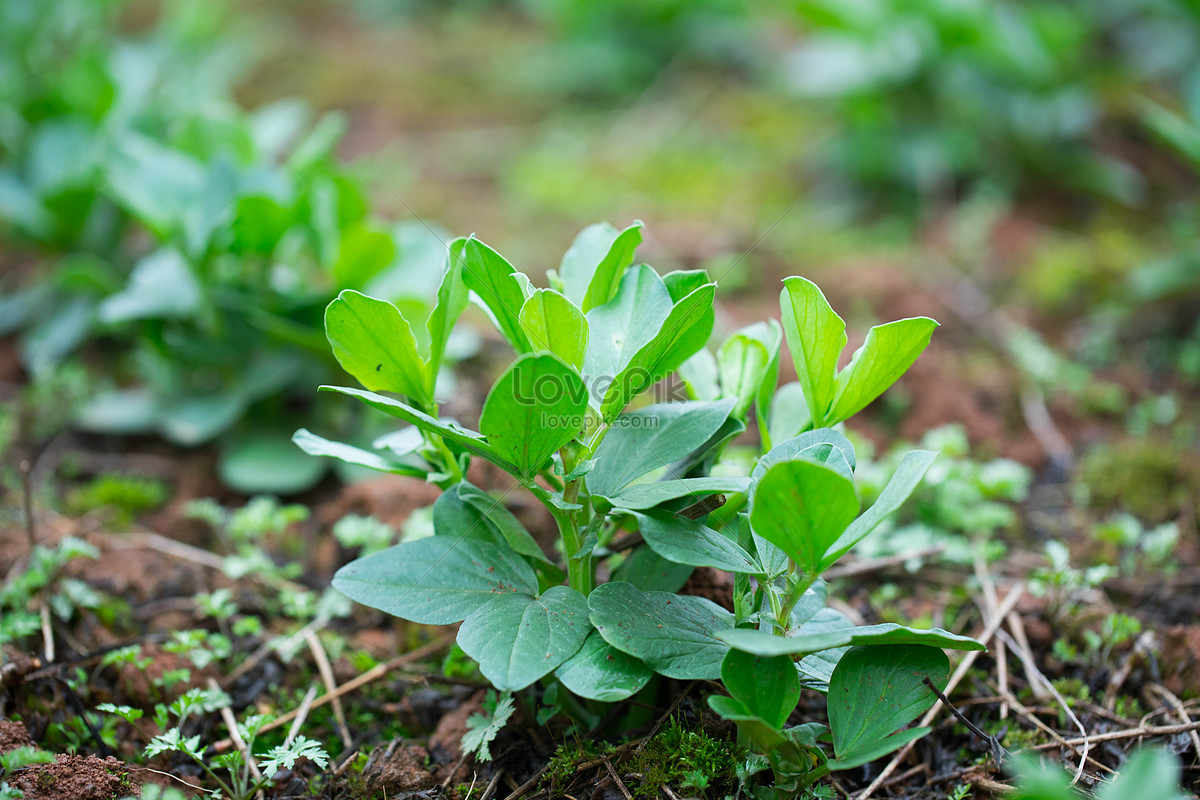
pixel 601 672
pixel 802 508
pixel 518 639
pixel 374 343
pixel 437 580
pixel 875 691
pixel 536 407
pixel 672 634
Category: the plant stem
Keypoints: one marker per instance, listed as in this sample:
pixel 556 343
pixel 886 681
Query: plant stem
pixel 797 591
pixel 579 570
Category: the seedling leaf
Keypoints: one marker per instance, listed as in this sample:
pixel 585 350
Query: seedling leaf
pixel 517 639
pixel 672 634
pixel 436 581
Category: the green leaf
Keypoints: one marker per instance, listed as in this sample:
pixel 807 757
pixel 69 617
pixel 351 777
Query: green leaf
pixel 669 347
pixel 536 407
pixel 161 286
pixel 763 643
pixel 482 729
pixel 689 541
pixel 1150 772
pixel 592 268
pixel 374 343
pixel 518 639
pixel 554 323
pixel 878 749
pixel 464 510
pixel 438 580
pixel 651 438
pixel 266 463
pixel 452 299
pixel 768 686
pixel 680 284
pixel 192 421
pixel 155 183
pixel 744 360
pixel 647 569
pixel 816 337
pixel 316 445
pixel 623 325
pixel 53 337
pixel 672 634
pixel 641 496
pixel 802 508
pixel 365 251
pixel 887 353
pixel 468 440
pixel 601 672
pixel 491 277
pixel 904 480
pixel 823 446
pixel 766 737
pixel 876 690
pixel 789 414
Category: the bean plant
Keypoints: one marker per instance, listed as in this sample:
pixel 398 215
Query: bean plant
pixel 642 497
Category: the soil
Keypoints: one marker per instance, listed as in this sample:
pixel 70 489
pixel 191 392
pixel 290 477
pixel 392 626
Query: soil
pixel 75 778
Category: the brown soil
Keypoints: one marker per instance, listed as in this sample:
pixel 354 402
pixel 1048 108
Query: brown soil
pixel 398 770
pixel 1179 659
pixel 13 734
pixel 445 745
pixel 75 778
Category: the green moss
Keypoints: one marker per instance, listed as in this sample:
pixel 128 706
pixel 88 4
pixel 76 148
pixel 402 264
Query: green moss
pixel 564 764
pixel 707 767
pixel 1152 479
pixel 126 496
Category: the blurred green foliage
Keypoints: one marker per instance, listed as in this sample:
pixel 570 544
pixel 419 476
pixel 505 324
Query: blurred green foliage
pixel 194 244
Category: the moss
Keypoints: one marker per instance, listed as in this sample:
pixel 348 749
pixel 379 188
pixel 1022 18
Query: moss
pixel 564 764
pixel 126 495
pixel 707 767
pixel 1152 479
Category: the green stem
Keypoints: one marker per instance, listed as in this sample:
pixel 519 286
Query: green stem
pixel 797 591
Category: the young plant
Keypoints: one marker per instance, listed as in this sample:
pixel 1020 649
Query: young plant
pixel 243 778
pixel 641 496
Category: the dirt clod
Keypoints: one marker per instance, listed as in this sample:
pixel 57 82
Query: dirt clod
pixel 13 735
pixel 1179 658
pixel 398 770
pixel 445 745
pixel 75 778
